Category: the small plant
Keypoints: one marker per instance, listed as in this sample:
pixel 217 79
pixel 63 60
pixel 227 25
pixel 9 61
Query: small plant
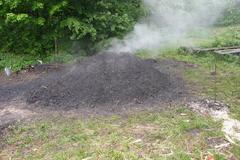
pixel 230 38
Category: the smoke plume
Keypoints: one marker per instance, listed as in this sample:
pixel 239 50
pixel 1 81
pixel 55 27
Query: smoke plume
pixel 169 22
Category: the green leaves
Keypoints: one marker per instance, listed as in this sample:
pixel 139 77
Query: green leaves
pixel 58 7
pixel 28 26
pixel 12 3
pixel 231 16
pixel 79 29
pixel 37 6
pixel 40 21
pixel 13 18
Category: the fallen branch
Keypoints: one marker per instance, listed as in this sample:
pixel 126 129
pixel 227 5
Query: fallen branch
pixel 235 50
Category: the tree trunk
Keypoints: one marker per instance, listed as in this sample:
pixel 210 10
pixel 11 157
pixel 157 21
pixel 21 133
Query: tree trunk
pixel 56 45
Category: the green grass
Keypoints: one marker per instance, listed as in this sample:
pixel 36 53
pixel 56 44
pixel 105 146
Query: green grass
pixel 21 61
pixel 226 36
pixel 216 36
pixel 226 88
pixel 140 136
pixel 236 151
pixel 227 85
pixel 213 37
pixel 16 62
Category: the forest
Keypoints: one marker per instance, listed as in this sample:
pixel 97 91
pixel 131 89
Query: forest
pixel 37 27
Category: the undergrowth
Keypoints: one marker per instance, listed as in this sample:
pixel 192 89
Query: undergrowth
pixel 22 61
pixel 227 85
pixel 224 85
pixel 215 37
pixel 177 134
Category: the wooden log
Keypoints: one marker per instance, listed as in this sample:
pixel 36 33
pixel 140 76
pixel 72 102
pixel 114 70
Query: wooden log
pixel 229 52
pixel 217 49
pixel 235 50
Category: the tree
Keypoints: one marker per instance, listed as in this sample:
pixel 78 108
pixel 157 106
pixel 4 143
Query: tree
pixel 34 26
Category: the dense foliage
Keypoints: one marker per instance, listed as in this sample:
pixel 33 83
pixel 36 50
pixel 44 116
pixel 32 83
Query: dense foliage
pixel 231 15
pixel 33 29
pixel 35 26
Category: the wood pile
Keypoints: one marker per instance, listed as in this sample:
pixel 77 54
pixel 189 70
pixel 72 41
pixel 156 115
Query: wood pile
pixel 222 51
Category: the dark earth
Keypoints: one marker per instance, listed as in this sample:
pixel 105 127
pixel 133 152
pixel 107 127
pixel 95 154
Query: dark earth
pixel 99 85
pixel 103 79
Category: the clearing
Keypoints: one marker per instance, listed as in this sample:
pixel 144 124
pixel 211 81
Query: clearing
pixel 145 124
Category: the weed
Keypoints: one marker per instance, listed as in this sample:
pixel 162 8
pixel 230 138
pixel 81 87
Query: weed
pixel 165 135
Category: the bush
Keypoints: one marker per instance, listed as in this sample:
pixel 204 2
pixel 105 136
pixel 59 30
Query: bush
pixel 35 27
pixel 229 38
pixel 231 16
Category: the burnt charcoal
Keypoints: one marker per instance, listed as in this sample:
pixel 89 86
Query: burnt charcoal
pixel 103 79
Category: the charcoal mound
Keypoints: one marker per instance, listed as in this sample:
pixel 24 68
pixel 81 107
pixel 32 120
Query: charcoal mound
pixel 103 79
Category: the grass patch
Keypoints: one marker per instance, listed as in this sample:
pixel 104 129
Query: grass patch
pixel 236 151
pixel 166 135
pixel 21 61
pixel 227 85
pixel 216 36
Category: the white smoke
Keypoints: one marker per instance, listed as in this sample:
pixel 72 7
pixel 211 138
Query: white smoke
pixel 169 22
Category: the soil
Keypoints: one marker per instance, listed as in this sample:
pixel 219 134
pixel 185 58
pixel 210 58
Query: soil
pixel 98 80
pixel 104 79
pixel 100 85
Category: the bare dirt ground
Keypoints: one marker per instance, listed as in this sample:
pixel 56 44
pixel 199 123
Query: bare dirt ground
pixel 14 106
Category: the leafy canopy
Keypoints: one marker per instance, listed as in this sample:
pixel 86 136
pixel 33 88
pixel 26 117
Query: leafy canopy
pixel 32 26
